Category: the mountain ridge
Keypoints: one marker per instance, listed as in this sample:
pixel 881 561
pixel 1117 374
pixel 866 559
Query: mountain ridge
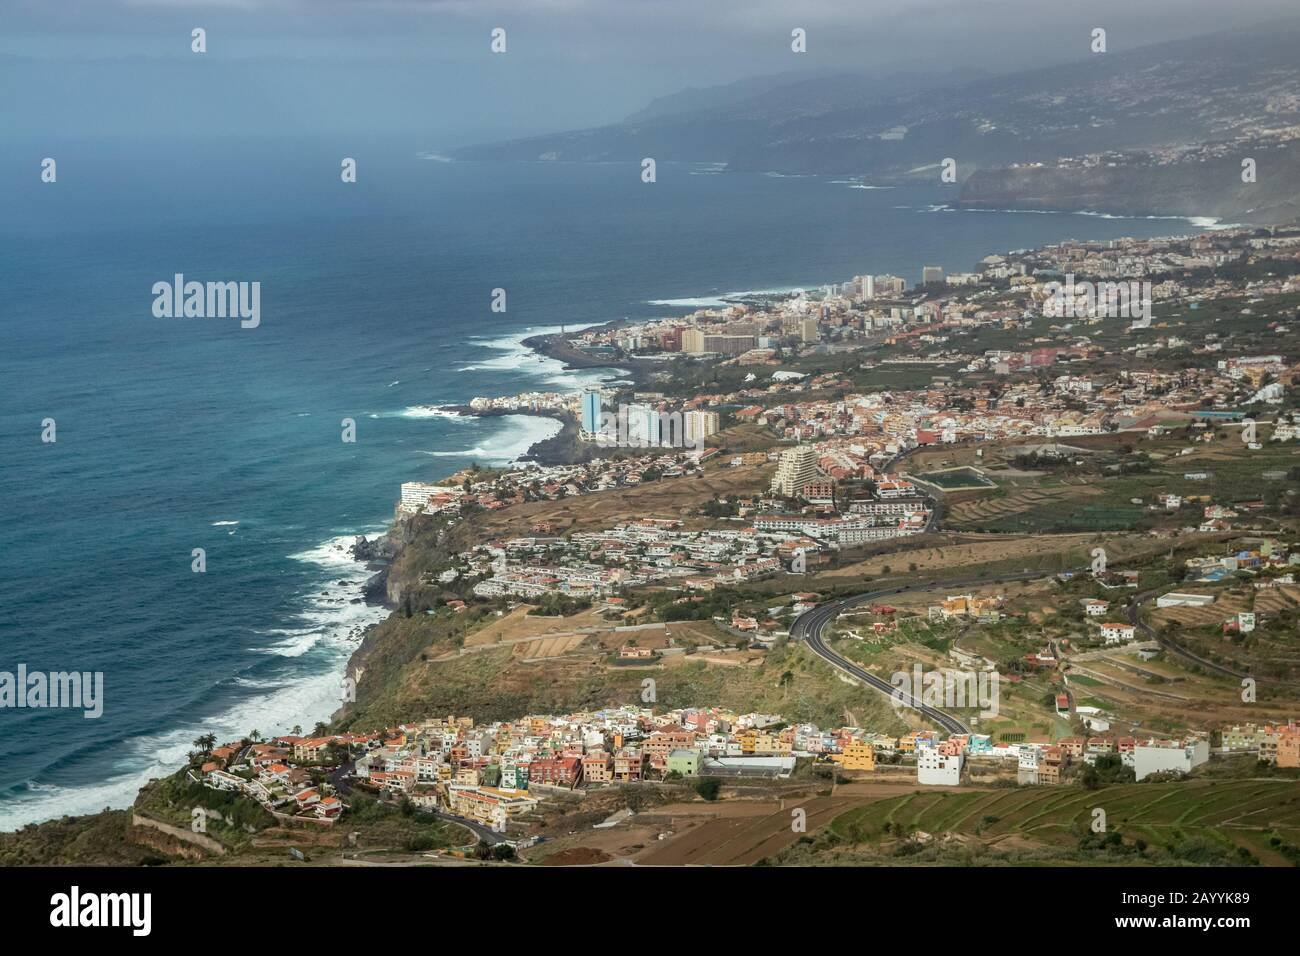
pixel 1166 108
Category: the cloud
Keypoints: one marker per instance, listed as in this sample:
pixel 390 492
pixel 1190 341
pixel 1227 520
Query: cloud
pixel 425 65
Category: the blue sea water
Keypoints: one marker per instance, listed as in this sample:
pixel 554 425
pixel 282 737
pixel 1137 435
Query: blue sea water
pixel 175 434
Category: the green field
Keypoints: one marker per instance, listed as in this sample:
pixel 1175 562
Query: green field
pixel 1232 814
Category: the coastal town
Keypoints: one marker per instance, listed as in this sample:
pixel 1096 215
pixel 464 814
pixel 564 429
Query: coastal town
pixel 496 774
pixel 838 483
pixel 821 551
pixel 826 475
pixel 1083 457
pixel 542 450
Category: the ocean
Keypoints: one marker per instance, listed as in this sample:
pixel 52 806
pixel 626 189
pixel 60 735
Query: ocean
pixel 183 433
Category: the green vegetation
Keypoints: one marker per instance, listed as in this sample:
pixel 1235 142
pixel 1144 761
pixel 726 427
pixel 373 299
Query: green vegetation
pixel 559 605
pixel 101 838
pixel 1198 822
pixel 494 685
pixel 401 826
pixel 233 819
pixel 708 787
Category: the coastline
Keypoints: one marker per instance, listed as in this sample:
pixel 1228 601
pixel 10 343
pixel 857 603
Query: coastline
pixel 554 345
pixel 561 448
pixel 333 617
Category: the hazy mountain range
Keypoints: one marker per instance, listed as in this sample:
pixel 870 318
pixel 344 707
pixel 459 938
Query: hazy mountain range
pixel 1180 115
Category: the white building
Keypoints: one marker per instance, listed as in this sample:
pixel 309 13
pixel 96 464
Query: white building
pixel 1181 755
pixel 931 768
pixel 643 426
pixel 699 425
pixel 1117 633
pixel 1177 599
pixel 421 496
pixel 1029 757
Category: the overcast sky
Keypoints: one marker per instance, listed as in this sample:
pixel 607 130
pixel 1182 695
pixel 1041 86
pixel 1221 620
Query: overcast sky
pixel 422 69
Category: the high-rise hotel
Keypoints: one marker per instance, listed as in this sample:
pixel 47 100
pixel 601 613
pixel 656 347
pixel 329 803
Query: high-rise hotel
pixel 796 470
pixel 591 411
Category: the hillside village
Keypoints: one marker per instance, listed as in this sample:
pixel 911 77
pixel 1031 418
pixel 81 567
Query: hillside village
pixel 497 773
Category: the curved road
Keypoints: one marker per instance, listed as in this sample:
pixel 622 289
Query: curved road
pixel 1136 605
pixel 809 626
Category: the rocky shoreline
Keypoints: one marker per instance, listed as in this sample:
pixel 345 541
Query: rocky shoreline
pixel 378 556
pixel 555 345
pixel 564 448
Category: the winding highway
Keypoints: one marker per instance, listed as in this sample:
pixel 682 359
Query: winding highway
pixel 1135 606
pixel 809 627
pixel 1177 649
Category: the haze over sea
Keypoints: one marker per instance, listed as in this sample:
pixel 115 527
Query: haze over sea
pixel 175 434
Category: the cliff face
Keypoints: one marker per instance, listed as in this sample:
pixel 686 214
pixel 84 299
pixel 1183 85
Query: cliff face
pixel 1211 188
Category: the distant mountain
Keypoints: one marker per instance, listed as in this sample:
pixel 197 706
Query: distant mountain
pixel 1159 107
pixel 722 123
pixel 695 99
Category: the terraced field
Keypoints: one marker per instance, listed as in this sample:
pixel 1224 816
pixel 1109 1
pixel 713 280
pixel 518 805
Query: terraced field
pixel 1211 615
pixel 1051 554
pixel 549 647
pixel 1273 600
pixel 742 839
pixel 1233 813
pixel 955 479
pixel 984 510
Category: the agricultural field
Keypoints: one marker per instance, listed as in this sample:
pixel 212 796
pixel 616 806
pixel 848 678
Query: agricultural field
pixel 1116 471
pixel 1226 604
pixel 954 479
pixel 1270 652
pixel 556 671
pixel 999 553
pixel 1164 696
pixel 1226 815
pixel 746 826
pixel 991 512
pixel 521 625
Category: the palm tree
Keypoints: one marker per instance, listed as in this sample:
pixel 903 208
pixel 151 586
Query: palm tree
pixel 254 735
pixel 206 742
pixel 297 730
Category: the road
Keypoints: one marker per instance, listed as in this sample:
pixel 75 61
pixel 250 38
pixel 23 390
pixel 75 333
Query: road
pixel 809 627
pixel 1135 606
pixel 1065 678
